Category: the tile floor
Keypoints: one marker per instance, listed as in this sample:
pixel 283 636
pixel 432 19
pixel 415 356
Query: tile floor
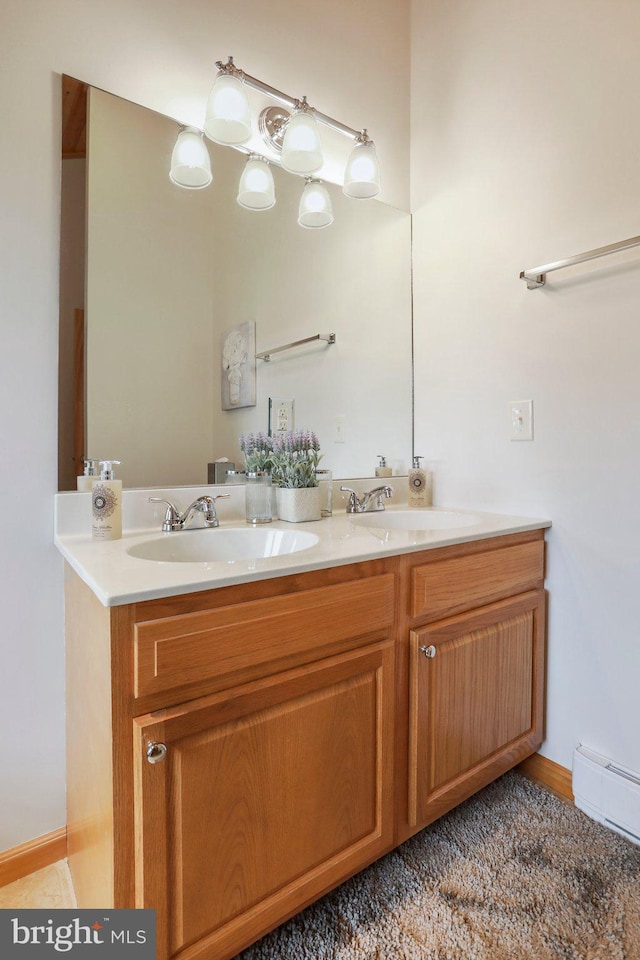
pixel 49 888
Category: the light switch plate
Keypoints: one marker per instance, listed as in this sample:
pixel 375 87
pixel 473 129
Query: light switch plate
pixel 280 415
pixel 340 431
pixel 521 416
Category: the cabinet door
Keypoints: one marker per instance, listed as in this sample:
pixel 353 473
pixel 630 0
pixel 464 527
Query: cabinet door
pixel 475 701
pixel 268 795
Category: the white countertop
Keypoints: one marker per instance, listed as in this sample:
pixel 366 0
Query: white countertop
pixel 118 578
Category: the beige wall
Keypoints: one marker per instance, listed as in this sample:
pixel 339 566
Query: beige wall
pixel 354 280
pixel 149 322
pixel 161 56
pixel 525 147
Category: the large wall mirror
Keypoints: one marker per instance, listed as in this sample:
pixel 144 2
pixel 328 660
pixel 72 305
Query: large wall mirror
pixel 154 277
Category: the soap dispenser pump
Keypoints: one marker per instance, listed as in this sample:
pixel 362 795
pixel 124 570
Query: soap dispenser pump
pixel 382 470
pixel 106 504
pixel 420 487
pixel 85 481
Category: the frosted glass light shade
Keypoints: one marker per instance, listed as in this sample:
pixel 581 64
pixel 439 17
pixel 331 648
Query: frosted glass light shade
pixel 302 146
pixel 256 190
pixel 227 117
pixel 190 162
pixel 315 209
pixel 362 173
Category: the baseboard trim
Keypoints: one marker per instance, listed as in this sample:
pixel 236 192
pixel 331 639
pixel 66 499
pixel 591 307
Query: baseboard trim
pixel 549 773
pixel 33 855
pixel 20 861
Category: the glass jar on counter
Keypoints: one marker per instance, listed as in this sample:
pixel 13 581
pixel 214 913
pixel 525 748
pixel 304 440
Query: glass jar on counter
pixel 257 497
pixel 325 482
pixel 235 477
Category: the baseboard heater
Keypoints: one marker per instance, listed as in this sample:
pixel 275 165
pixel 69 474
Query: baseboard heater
pixel 607 792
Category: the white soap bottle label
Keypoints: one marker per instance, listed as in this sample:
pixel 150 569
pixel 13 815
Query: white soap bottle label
pixel 106 505
pixel 420 486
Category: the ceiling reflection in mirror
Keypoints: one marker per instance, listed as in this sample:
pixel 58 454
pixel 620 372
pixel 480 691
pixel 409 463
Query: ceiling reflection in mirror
pixel 170 272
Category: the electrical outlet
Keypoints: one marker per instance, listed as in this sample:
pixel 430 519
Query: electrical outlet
pixel 280 415
pixel 340 434
pixel 521 415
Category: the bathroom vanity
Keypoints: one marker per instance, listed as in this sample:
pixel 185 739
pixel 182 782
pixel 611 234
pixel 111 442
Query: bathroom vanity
pixel 237 749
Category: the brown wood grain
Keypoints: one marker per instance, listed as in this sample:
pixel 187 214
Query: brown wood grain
pixel 79 431
pixel 443 588
pixel 475 698
pixel 33 855
pixel 264 793
pixel 239 593
pixel 74 118
pixel 550 774
pixel 122 711
pixel 258 635
pixel 90 808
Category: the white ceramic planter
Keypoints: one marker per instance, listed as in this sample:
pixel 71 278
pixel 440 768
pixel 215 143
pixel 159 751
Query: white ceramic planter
pixel 298 504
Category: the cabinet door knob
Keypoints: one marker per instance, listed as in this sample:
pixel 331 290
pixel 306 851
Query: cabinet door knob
pixel 429 651
pixel 156 751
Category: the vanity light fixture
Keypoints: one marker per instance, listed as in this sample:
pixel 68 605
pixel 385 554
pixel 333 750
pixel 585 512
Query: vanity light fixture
pixel 228 117
pixel 256 190
pixel 190 161
pixel 315 209
pixel 302 146
pixel 290 130
pixel 362 173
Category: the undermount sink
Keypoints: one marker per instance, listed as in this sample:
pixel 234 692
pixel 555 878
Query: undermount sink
pixel 425 518
pixel 222 544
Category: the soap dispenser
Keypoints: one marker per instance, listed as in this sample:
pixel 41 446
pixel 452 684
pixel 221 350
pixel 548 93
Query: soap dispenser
pixel 85 481
pixel 382 470
pixel 106 504
pixel 420 486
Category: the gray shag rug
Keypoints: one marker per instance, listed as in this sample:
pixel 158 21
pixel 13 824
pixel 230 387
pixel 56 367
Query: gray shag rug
pixel 514 873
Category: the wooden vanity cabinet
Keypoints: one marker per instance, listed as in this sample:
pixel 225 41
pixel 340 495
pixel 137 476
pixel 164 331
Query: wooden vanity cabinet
pixel 476 629
pixel 300 729
pixel 234 749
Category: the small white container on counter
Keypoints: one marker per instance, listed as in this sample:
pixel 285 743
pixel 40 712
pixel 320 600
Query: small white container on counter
pixel 91 473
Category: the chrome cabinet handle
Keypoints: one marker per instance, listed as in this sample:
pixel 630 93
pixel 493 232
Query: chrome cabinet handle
pixel 429 651
pixel 156 751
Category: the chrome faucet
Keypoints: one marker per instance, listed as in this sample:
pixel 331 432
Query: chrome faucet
pixel 174 520
pixel 370 501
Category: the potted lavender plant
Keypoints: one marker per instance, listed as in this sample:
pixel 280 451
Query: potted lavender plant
pixel 294 460
pixel 257 449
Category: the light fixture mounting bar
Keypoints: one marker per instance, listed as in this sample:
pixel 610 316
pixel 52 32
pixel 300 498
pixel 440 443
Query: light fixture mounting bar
pixel 292 102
